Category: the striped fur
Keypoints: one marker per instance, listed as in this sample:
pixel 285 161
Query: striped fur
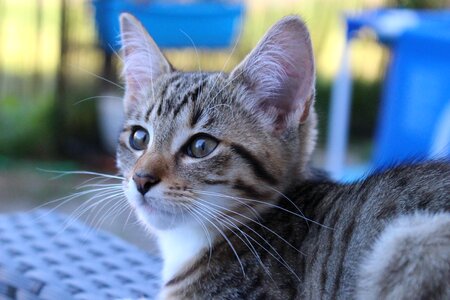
pixel 252 220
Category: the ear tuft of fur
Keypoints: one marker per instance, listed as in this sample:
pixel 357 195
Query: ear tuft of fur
pixel 280 73
pixel 143 61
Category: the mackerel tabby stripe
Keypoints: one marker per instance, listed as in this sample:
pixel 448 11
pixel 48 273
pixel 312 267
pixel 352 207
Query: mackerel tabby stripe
pixel 248 189
pixel 179 278
pixel 256 165
pixel 149 111
pixel 215 181
pixel 347 234
pixel 176 79
pixel 196 115
pixel 190 95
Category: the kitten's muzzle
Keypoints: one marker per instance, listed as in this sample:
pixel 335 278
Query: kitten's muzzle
pixel 144 182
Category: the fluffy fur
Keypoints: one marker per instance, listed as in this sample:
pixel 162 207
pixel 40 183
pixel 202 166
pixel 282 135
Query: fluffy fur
pixel 252 219
pixel 409 260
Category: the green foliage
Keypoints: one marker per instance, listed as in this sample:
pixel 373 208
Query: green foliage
pixel 34 127
pixel 421 4
pixel 25 127
pixel 81 114
pixel 364 111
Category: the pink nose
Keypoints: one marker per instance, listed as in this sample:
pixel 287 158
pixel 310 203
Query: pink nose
pixel 144 182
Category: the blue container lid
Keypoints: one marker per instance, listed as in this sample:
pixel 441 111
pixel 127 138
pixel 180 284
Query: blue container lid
pixel 390 24
pixel 204 24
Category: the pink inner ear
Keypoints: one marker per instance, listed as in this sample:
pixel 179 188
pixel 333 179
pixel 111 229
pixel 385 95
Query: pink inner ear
pixel 143 61
pixel 293 92
pixel 280 71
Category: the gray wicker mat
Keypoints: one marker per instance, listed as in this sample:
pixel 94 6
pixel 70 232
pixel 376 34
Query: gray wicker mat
pixel 45 255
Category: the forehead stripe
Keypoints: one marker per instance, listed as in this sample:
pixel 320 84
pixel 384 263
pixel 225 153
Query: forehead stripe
pixel 163 94
pixel 160 107
pixel 180 106
pixel 209 122
pixel 149 111
pixel 196 115
pixel 191 95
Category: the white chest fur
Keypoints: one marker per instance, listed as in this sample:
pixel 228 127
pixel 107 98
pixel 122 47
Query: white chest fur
pixel 179 246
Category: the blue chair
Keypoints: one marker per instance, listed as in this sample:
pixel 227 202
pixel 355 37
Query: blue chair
pixel 415 109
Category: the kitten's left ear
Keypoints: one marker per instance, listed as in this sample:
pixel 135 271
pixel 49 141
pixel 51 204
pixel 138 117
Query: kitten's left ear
pixel 143 61
pixel 280 74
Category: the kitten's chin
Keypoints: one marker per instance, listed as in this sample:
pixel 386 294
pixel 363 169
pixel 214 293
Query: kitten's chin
pixel 151 215
pixel 156 220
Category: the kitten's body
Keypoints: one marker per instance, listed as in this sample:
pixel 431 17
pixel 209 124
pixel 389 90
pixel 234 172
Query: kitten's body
pixel 331 255
pixel 217 166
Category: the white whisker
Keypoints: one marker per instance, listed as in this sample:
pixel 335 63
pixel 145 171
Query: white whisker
pixel 202 224
pixel 229 243
pixel 115 52
pixel 111 211
pixel 278 256
pixel 195 48
pixel 66 199
pixel 95 97
pixel 261 202
pixel 247 243
pixel 75 215
pixel 227 61
pixel 290 201
pixel 64 173
pixel 128 218
pixel 100 77
pixel 100 185
pixel 250 219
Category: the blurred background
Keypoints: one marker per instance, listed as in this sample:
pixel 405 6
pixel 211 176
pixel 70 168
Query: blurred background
pixel 60 90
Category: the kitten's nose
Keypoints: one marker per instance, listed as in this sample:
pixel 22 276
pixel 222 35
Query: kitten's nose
pixel 144 182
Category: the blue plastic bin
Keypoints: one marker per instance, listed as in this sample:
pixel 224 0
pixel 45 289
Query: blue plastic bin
pixel 413 120
pixel 203 24
pixel 414 117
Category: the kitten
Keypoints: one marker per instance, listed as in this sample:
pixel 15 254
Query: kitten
pixel 217 167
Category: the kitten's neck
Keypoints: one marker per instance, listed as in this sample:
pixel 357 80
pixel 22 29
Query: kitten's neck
pixel 180 246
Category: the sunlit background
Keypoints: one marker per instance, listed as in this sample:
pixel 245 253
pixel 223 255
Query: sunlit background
pixel 56 83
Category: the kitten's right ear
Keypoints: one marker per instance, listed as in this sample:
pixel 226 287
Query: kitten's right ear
pixel 143 61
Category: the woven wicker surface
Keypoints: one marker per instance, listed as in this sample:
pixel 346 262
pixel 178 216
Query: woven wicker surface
pixel 45 255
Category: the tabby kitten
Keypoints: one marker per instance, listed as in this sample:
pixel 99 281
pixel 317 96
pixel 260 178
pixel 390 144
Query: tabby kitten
pixel 217 166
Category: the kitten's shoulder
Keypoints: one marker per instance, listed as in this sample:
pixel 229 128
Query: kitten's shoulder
pixel 415 170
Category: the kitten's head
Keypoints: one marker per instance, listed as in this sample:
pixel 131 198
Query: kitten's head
pixel 198 146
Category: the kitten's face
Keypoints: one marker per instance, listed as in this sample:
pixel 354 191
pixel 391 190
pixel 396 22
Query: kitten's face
pixel 202 148
pixel 197 147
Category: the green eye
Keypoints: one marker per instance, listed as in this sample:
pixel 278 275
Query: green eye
pixel 139 138
pixel 201 146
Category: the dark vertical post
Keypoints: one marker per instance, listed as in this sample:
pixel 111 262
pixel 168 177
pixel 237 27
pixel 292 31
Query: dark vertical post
pixel 2 14
pixel 38 41
pixel 59 117
pixel 108 71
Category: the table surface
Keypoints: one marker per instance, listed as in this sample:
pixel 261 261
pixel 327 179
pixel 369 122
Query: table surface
pixel 46 255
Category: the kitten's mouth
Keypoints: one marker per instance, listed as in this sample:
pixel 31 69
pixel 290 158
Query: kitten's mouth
pixel 151 208
pixel 147 208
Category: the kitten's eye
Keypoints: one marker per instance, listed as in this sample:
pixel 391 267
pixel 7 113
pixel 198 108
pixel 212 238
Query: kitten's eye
pixel 139 138
pixel 201 146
